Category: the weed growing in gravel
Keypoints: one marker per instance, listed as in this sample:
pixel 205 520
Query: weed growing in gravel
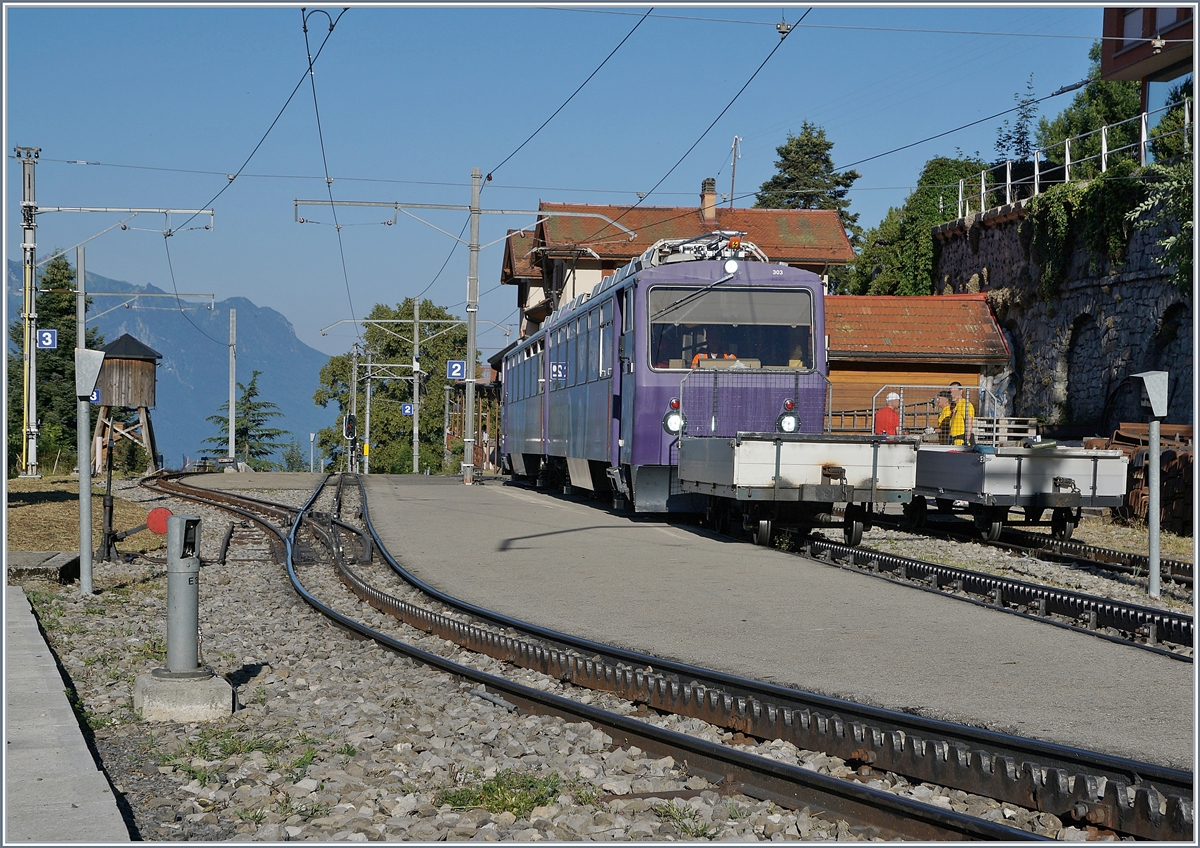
pixel 152 648
pixel 347 750
pixel 259 697
pixel 509 791
pixel 82 715
pixel 685 819
pixel 783 542
pixel 298 766
pixel 583 792
pixel 255 816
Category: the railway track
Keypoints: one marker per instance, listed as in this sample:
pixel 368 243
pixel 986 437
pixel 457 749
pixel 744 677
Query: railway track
pixel 1125 796
pixel 1050 549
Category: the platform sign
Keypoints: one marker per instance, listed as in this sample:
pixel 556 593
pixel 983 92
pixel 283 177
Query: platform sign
pixel 456 369
pixel 95 396
pixel 406 409
pixel 558 370
pixel 47 339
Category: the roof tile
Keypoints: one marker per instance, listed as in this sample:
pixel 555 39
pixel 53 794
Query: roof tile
pixel 954 328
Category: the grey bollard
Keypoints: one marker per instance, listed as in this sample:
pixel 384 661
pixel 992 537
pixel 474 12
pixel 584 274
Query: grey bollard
pixel 183 598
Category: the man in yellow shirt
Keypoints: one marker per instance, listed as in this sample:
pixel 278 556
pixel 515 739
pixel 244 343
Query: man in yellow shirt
pixel 962 416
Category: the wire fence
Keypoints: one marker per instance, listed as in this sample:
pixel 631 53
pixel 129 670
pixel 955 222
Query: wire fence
pixel 1075 158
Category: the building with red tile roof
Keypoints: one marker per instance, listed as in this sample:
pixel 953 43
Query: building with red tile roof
pixel 876 341
pixel 575 245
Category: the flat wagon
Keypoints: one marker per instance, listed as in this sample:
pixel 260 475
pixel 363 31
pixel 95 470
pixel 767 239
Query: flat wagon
pixel 1034 477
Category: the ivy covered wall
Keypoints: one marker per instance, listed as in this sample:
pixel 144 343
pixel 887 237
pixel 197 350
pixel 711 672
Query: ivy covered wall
pixel 1105 310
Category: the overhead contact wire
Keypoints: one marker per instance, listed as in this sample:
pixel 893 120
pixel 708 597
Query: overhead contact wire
pixel 324 159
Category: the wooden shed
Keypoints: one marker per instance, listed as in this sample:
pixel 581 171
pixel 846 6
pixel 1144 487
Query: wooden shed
pixel 127 377
pixel 878 340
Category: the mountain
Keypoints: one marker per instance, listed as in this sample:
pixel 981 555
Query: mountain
pixel 193 375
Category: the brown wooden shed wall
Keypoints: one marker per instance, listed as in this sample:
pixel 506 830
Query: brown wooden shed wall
pixel 854 384
pixel 127 382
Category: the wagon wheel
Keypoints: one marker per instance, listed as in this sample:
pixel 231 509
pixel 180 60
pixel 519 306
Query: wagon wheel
pixel 915 511
pixel 945 506
pixel 990 524
pixel 1061 525
pixel 763 535
pixel 852 530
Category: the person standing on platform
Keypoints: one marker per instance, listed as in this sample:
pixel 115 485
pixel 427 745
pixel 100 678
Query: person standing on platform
pixel 943 422
pixel 887 418
pixel 962 417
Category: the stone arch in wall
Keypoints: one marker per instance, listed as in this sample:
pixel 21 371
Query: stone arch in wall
pixel 1016 384
pixel 1085 390
pixel 1171 349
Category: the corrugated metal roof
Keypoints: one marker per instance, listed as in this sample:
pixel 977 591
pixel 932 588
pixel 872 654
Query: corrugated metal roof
pixel 951 328
pixel 784 235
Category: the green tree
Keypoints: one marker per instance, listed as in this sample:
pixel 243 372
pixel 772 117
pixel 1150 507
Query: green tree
pixel 252 435
pixel 56 401
pixel 897 256
pixel 807 179
pixel 1168 205
pixel 1169 136
pixel 1016 141
pixel 1099 103
pixel 391 431
pixel 292 457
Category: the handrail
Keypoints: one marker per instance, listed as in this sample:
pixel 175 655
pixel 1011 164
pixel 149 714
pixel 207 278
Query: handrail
pixel 990 182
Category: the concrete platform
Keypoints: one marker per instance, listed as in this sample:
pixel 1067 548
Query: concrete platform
pixel 53 791
pixel 683 593
pixel 61 566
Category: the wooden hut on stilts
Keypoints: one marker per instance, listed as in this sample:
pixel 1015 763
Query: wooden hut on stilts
pixel 127 381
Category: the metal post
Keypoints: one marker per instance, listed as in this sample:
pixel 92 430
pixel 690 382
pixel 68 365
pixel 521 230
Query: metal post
pixel 472 308
pixel 1145 132
pixel 1152 480
pixel 1104 149
pixel 1067 160
pixel 83 440
pixel 982 191
pixel 416 383
pixel 232 379
pixel 1008 181
pixel 183 593
pixel 1037 172
pixel 960 198
pixel 312 438
pixel 351 457
pixel 446 430
pixel 29 157
pixel 366 460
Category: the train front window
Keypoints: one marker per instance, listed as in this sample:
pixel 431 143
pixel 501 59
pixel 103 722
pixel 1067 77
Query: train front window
pixel 694 327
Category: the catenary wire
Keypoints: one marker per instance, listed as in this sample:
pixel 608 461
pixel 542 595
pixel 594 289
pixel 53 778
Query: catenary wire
pixel 612 53
pixel 324 158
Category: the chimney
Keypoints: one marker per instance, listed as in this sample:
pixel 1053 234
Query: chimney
pixel 708 200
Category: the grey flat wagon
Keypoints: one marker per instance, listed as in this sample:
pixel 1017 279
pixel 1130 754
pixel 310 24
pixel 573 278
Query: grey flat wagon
pixel 1034 478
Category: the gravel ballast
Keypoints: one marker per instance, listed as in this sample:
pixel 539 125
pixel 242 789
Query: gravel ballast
pixel 338 739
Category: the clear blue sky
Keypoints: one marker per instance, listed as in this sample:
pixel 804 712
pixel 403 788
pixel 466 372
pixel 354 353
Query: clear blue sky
pixel 169 100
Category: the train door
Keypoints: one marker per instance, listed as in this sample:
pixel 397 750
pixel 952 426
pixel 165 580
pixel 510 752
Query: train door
pixel 625 352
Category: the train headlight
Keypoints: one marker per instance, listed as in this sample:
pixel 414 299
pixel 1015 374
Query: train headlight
pixel 674 421
pixel 787 423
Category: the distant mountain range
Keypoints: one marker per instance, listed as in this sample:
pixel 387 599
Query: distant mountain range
pixel 193 375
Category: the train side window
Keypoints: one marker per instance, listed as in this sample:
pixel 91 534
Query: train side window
pixel 606 337
pixel 593 345
pixel 581 342
pixel 572 352
pixel 626 305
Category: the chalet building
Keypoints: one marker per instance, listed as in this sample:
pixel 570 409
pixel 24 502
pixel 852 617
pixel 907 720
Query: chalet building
pixel 1150 44
pixel 878 341
pixel 575 245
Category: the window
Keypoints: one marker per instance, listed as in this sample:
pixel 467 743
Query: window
pixel 1163 18
pixel 1133 26
pixel 762 328
pixel 606 338
pixel 581 351
pixel 571 354
pixel 593 321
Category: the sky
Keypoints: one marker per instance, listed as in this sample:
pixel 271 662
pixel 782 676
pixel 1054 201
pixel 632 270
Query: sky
pixel 154 108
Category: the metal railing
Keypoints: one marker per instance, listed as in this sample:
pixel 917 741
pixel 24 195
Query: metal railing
pixel 984 190
pixel 919 415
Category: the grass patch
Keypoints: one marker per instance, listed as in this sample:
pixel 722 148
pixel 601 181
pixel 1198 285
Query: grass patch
pixel 685 819
pixel 43 515
pixel 509 791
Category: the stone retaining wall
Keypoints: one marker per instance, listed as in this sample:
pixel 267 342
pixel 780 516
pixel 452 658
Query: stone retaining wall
pixel 1072 355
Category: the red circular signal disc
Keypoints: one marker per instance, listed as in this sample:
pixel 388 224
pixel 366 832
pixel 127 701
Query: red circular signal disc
pixel 156 521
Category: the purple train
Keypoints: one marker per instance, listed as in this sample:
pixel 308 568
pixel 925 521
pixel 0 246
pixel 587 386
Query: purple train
pixel 593 400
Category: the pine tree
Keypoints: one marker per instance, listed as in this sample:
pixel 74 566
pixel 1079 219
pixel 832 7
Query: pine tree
pixel 252 437
pixel 56 401
pixel 1016 142
pixel 807 179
